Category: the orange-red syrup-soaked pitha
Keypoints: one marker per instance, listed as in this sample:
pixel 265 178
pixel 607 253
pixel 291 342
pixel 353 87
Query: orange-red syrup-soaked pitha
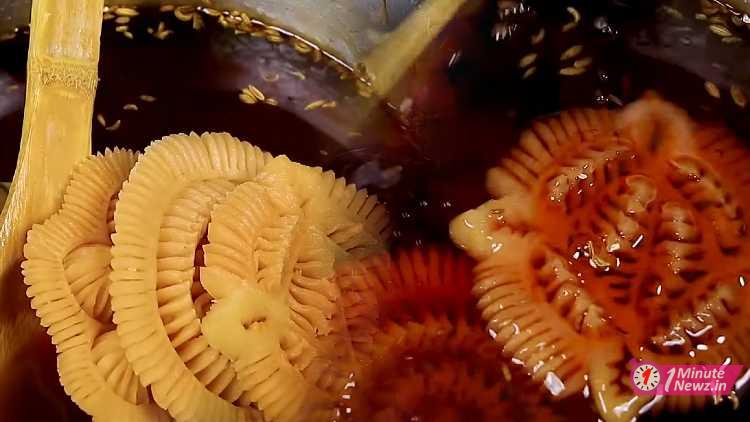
pixel 615 235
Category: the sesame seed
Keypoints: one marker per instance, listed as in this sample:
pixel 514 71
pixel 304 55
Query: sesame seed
pixel 101 120
pixel 126 11
pixel 147 98
pixel 115 126
pixel 671 11
pixel 108 16
pixel 330 104
pixel 130 107
pixel 184 13
pixel 122 20
pixel 299 75
pixel 128 34
pixel 615 99
pixel 257 93
pixel 167 8
pixel 315 104
pixel 529 72
pixel 572 71
pixel 527 60
pixel 712 89
pixel 272 35
pixel 224 22
pixel 302 47
pixel 162 35
pixel 720 30
pixel 571 52
pixel 576 18
pixel 272 101
pixel 700 17
pixel 738 96
pixel 121 28
pixel 538 37
pixel 211 12
pixel 247 99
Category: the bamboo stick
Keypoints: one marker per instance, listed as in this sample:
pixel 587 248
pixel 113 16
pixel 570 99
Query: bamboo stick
pixel 388 62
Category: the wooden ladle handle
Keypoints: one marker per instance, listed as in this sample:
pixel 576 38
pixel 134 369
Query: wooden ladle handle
pixel 388 62
pixel 60 90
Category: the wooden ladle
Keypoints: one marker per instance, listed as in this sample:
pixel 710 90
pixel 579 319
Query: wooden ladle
pixel 61 85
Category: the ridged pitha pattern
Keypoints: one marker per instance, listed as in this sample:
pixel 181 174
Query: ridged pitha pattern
pixel 217 244
pixel 67 270
pixel 422 348
pixel 613 236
